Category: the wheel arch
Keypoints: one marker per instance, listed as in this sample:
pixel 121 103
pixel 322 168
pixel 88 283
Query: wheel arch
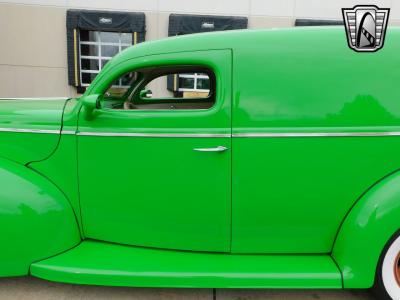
pixel 36 219
pixel 366 230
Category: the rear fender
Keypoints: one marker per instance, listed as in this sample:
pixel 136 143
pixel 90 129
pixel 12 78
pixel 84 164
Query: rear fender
pixel 36 219
pixel 366 230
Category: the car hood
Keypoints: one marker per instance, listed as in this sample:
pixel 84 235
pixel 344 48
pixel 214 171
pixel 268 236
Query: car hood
pixel 30 128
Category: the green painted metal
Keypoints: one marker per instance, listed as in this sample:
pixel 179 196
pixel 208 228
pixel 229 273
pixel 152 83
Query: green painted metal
pixel 61 170
pixel 36 220
pixel 29 114
pixel 109 264
pixel 159 192
pixel 266 195
pixel 365 232
pixel 325 175
pixel 291 194
pixel 64 158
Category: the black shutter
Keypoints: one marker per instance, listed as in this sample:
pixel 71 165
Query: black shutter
pixel 185 24
pixel 310 22
pixel 100 21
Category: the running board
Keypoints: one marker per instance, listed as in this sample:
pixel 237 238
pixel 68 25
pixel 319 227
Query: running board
pixel 100 263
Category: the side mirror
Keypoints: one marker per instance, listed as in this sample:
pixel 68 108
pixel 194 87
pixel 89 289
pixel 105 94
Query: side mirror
pixel 144 94
pixel 90 103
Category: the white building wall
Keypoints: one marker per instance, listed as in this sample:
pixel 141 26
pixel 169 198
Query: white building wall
pixel 33 47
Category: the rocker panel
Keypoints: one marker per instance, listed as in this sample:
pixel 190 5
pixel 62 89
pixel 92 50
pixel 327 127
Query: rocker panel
pixel 102 263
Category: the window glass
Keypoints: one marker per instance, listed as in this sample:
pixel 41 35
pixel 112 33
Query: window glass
pixel 187 89
pixel 186 83
pixel 121 86
pixel 104 62
pixel 109 37
pixel 203 83
pixel 196 82
pixel 126 38
pixel 96 48
pixel 89 36
pixel 87 78
pixel 109 51
pixel 166 88
pixel 89 50
pixel 89 64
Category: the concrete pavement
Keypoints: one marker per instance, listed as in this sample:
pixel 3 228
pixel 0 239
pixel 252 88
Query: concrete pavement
pixel 36 289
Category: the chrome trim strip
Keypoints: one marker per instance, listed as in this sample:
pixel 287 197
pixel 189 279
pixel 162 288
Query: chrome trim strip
pixel 71 132
pixel 317 134
pixel 30 130
pixel 135 134
pixel 208 135
pixel 49 131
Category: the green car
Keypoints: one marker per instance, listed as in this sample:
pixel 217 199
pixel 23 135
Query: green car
pixel 242 159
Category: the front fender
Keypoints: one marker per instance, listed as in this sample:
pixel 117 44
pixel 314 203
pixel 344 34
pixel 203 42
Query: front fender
pixel 36 219
pixel 365 231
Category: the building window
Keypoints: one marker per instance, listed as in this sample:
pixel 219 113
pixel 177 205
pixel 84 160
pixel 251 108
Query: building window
pixel 196 82
pixel 94 37
pixel 96 48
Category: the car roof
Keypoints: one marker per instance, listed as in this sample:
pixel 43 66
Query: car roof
pixel 237 39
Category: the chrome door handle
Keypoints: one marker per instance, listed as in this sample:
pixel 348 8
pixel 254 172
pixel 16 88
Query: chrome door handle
pixel 215 149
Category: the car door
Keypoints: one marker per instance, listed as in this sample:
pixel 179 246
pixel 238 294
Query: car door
pixel 159 177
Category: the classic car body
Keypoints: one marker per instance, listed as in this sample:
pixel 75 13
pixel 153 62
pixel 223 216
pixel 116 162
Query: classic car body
pixel 305 191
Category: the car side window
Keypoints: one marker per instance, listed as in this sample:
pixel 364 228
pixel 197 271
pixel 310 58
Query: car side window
pixel 164 88
pixel 121 86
